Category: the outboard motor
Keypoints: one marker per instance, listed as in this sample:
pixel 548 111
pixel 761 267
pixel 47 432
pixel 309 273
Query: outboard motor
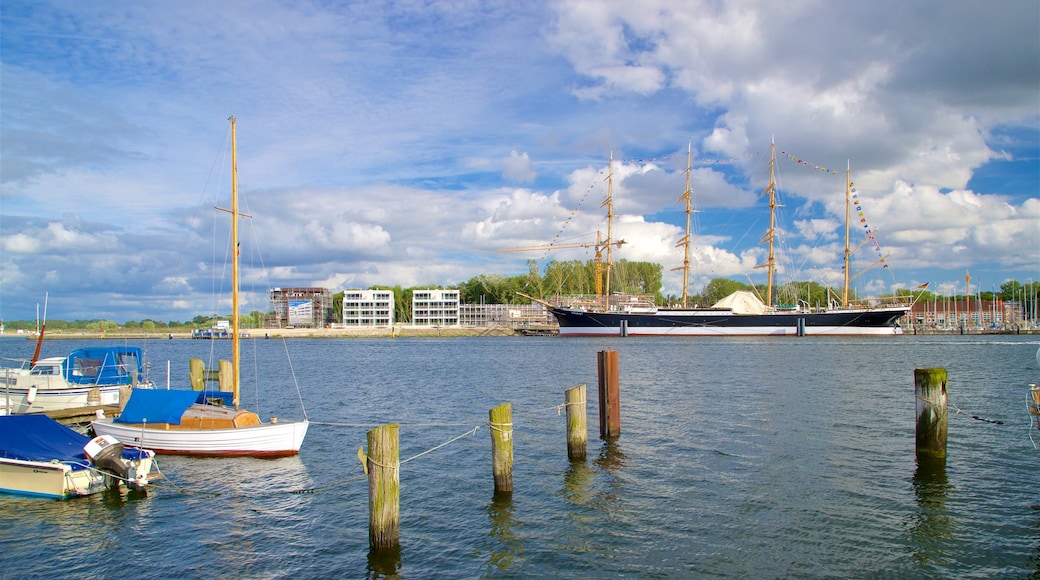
pixel 106 453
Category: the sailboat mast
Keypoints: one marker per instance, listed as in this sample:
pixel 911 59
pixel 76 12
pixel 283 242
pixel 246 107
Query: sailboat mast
pixel 848 218
pixel 770 235
pixel 685 240
pixel 609 204
pixel 235 358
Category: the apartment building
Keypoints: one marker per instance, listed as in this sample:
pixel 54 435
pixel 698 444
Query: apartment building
pixel 368 308
pixel 435 307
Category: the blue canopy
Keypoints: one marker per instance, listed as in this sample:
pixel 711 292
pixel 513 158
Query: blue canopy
pixel 104 365
pixel 158 405
pixel 39 438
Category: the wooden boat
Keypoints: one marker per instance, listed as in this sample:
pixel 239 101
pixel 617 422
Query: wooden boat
pixel 742 313
pixel 194 422
pixel 43 458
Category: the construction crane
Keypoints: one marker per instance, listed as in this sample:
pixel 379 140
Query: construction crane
pixel 598 244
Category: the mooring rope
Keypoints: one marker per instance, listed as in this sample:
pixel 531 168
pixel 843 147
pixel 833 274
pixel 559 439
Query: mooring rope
pixel 374 462
pixel 174 486
pixel 976 417
pixel 374 425
pixel 959 411
pixel 467 433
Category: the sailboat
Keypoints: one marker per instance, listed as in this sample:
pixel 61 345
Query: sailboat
pixel 190 422
pixel 739 314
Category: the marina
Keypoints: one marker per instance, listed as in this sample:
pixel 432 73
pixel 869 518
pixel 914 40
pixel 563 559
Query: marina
pixel 742 456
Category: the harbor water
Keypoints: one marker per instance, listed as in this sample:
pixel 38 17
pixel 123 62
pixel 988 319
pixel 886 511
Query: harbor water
pixel 738 457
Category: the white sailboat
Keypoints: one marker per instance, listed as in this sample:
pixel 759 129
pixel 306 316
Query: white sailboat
pixel 184 422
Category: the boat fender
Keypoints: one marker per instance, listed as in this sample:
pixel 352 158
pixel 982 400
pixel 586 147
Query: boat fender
pixel 30 397
pixel 363 458
pixel 106 453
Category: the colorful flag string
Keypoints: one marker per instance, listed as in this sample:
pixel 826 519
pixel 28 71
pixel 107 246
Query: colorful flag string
pixel 698 160
pixel 808 164
pixel 870 232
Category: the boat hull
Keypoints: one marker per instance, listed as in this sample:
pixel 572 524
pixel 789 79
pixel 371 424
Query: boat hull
pixel 57 480
pixel 43 398
pixel 48 480
pixel 879 322
pixel 40 457
pixel 87 376
pixel 264 440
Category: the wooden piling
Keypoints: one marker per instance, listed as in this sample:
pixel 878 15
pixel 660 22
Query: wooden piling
pixel 196 372
pixel 384 488
pixel 500 419
pixel 577 423
pixel 124 396
pixel 226 377
pixel 609 395
pixel 932 414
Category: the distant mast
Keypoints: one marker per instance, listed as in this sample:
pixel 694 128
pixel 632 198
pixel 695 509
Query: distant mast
pixel 684 241
pixel 609 204
pixel 770 235
pixel 848 218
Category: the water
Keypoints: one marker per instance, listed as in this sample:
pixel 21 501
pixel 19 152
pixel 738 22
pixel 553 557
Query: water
pixel 743 457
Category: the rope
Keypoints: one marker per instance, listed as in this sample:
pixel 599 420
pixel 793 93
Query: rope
pixel 558 408
pixel 976 417
pixel 331 485
pixel 959 411
pixel 470 432
pixel 176 487
pixel 374 462
pixel 495 427
pixel 372 426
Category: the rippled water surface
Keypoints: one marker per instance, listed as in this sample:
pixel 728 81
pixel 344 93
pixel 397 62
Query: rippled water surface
pixel 738 457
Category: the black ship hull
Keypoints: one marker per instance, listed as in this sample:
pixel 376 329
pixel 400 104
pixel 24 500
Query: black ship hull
pixel 714 322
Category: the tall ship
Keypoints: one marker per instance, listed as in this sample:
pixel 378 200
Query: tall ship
pixel 742 313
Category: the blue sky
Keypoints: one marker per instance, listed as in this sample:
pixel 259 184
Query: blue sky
pixel 407 142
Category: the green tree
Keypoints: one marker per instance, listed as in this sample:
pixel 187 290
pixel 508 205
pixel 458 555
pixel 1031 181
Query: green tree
pixel 717 289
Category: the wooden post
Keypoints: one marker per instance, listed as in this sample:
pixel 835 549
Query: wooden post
pixel 577 423
pixel 609 396
pixel 500 420
pixel 124 396
pixel 930 393
pixel 196 369
pixel 226 376
pixel 384 488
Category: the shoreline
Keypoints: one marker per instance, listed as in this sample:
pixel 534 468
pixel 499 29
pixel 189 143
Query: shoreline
pixel 261 333
pixel 406 331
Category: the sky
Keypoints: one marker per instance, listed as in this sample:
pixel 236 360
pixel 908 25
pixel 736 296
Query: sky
pixel 406 143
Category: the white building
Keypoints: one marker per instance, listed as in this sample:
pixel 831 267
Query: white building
pixel 368 308
pixel 435 307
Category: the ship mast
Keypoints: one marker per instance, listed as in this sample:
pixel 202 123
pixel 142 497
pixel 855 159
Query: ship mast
pixel 770 235
pixel 235 358
pixel 848 218
pixel 609 204
pixel 235 322
pixel 684 241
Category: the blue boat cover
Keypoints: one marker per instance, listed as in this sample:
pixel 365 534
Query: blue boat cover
pixel 104 365
pixel 158 405
pixel 39 438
